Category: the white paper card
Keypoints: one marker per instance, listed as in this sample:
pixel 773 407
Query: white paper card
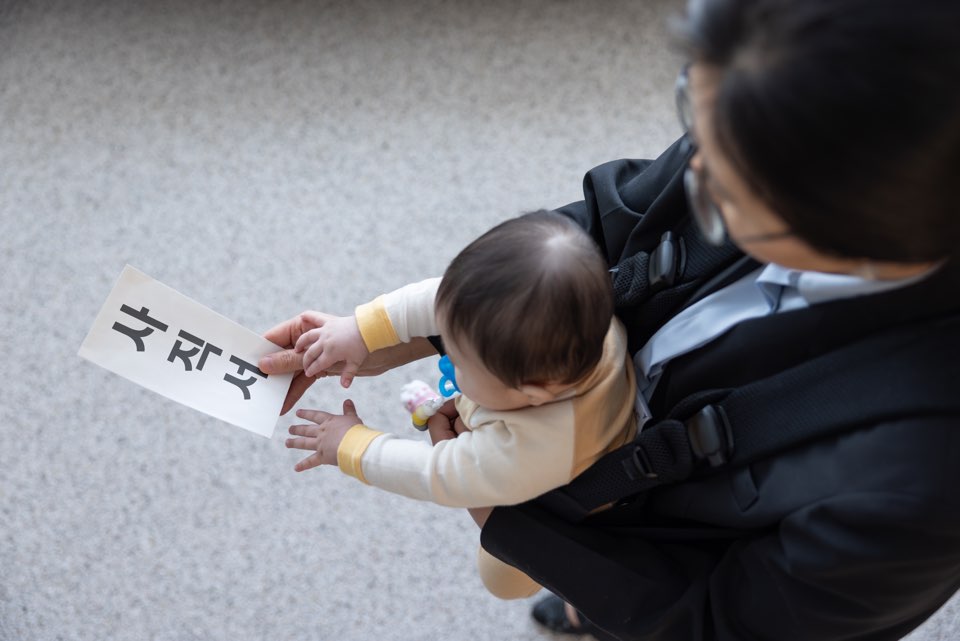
pixel 170 344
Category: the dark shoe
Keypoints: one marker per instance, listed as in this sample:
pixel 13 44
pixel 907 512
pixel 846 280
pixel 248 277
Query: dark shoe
pixel 551 614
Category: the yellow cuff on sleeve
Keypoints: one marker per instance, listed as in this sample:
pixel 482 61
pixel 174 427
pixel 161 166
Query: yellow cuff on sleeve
pixel 375 326
pixel 351 449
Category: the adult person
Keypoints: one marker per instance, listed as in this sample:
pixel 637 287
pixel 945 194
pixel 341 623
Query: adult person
pixel 824 144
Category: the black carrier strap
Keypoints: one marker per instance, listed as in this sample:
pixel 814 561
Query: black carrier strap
pixel 650 287
pixel 676 260
pixel 889 376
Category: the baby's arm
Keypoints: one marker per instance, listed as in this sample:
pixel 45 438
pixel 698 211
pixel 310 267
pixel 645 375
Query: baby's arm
pixel 443 426
pixel 399 316
pixel 288 361
pixel 326 431
pixel 388 320
pixel 495 464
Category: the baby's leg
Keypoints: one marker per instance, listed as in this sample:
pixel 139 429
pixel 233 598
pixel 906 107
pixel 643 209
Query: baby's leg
pixel 504 581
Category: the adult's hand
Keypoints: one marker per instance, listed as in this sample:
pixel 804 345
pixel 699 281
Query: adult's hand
pixel 286 335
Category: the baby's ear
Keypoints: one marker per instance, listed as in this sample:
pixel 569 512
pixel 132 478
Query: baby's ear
pixel 537 394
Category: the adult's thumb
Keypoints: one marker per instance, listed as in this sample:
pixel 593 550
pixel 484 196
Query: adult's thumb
pixel 281 362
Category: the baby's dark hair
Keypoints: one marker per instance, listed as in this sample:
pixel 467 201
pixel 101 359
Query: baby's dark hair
pixel 533 299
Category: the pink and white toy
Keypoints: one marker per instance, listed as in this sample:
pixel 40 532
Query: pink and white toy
pixel 421 401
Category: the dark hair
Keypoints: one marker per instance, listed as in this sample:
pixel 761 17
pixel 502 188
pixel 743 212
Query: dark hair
pixel 532 297
pixel 843 115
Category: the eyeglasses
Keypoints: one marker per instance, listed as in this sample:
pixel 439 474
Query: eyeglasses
pixel 706 212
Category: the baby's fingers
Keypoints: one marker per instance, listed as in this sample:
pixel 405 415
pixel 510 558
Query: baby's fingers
pixel 317 416
pixel 311 461
pixel 306 340
pixel 349 409
pixel 316 359
pixel 305 430
pixel 349 371
pixel 440 428
pixel 302 443
pixel 307 437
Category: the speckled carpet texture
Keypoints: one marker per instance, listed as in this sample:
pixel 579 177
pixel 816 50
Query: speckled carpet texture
pixel 265 157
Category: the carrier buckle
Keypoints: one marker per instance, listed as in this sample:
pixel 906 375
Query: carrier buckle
pixel 710 435
pixel 665 263
pixel 638 464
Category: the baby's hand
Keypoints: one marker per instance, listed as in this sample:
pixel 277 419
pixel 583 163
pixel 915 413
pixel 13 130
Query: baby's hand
pixel 324 435
pixel 446 423
pixel 337 340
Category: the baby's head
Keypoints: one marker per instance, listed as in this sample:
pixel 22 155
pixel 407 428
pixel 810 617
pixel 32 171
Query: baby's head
pixel 524 310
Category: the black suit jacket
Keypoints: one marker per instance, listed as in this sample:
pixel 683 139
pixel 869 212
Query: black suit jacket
pixel 852 537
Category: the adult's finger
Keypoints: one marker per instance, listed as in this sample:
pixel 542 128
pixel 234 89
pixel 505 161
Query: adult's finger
pixel 281 362
pixel 286 333
pixel 298 386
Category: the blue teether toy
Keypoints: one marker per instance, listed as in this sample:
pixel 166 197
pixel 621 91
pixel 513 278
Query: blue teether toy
pixel 448 382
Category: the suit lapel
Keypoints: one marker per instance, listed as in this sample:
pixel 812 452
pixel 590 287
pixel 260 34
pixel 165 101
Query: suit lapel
pixel 764 346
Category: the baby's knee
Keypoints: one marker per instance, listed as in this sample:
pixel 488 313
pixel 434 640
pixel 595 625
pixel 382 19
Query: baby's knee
pixel 504 581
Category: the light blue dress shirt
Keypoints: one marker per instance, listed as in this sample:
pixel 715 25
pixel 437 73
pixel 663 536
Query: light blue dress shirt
pixel 771 289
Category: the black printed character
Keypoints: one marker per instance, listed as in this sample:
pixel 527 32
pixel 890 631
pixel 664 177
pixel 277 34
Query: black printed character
pixel 243 384
pixel 186 354
pixel 139 335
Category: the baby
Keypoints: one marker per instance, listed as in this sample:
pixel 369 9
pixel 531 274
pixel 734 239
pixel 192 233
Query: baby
pixel 525 313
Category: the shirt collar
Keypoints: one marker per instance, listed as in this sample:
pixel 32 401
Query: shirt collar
pixel 821 287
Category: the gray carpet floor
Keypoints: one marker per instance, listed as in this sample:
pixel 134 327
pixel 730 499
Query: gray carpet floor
pixel 265 157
